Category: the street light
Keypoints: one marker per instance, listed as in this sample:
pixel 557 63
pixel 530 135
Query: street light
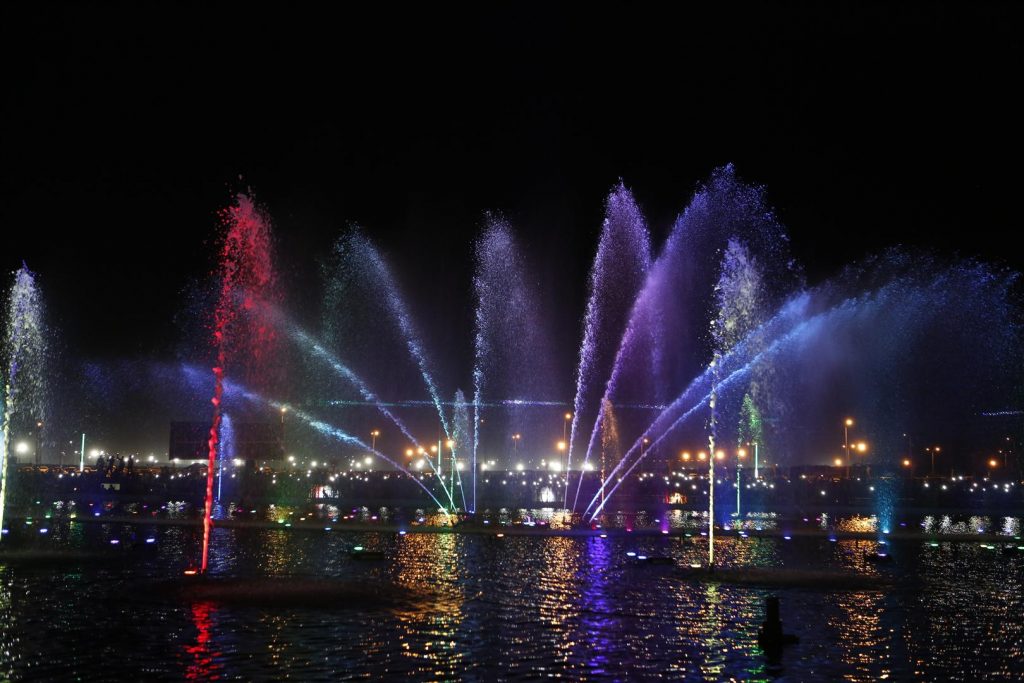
pixel 847 423
pixel 373 439
pixel 932 450
pixel 284 445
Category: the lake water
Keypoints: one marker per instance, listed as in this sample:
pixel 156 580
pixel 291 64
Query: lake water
pixel 521 607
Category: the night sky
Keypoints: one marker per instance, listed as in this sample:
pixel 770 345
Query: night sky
pixel 123 130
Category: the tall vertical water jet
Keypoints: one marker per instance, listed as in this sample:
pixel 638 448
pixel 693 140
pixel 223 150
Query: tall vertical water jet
pixel 25 360
pixel 620 266
pixel 511 348
pixel 242 335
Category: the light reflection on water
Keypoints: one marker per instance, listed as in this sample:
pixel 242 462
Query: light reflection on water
pixel 515 607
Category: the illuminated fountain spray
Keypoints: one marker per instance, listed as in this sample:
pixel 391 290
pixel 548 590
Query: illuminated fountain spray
pixel 511 349
pixel 622 261
pixel 25 358
pixel 226 449
pixel 244 339
pixel 874 323
pixel 357 258
pixel 662 346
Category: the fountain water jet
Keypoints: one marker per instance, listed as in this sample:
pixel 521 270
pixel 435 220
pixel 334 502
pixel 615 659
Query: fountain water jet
pixel 620 266
pixel 25 357
pixel 248 284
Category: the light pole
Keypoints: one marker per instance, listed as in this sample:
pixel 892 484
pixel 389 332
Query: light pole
pixel 451 447
pixel 515 446
pixel 932 450
pixel 284 446
pixel 373 439
pixel 740 454
pixel 39 442
pixel 847 423
pixel 862 448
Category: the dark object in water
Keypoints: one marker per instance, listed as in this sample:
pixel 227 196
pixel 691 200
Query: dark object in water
pixel 770 637
pixel 878 558
pixel 366 555
pixel 654 560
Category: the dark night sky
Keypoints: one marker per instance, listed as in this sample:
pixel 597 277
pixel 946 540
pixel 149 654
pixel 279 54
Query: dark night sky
pixel 123 130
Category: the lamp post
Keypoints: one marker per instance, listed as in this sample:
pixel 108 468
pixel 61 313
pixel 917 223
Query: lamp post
pixel 862 448
pixel 740 454
pixel 451 447
pixel 284 445
pixel 373 439
pixel 932 450
pixel 39 442
pixel 847 423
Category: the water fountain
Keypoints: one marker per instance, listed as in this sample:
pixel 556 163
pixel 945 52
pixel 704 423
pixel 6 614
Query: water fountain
pixel 713 337
pixel 24 391
pixel 244 340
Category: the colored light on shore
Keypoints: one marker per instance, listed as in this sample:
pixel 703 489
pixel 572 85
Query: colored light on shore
pixel 114 541
pixel 788 538
pixel 150 540
pixel 191 572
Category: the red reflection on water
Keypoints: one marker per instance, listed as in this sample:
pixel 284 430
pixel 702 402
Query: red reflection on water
pixel 202 666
